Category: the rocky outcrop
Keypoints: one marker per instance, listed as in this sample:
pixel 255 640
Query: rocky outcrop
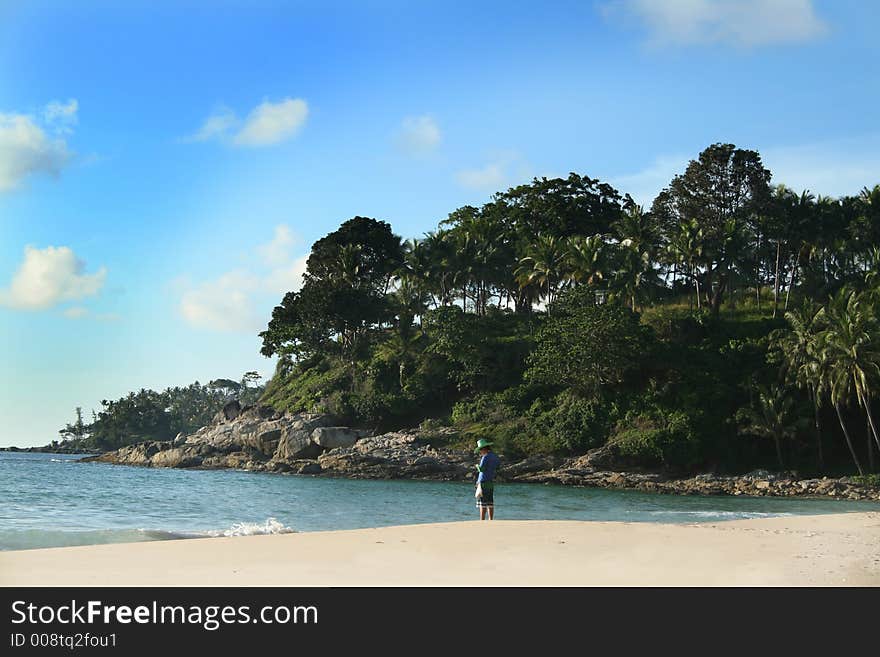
pixel 260 439
pixel 759 483
pixel 253 438
pixel 332 437
pixel 397 455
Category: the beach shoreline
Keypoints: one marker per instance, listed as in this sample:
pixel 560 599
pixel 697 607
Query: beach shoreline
pixel 819 550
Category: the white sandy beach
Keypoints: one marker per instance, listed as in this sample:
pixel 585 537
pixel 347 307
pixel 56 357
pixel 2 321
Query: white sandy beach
pixel 823 550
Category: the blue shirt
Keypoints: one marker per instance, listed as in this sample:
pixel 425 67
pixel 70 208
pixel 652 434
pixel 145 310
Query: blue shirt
pixel 488 465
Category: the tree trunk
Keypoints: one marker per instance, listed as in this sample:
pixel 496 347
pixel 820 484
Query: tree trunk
pixel 870 446
pixel 758 274
pixel 848 441
pixel 791 281
pixel 776 282
pixel 718 295
pixel 697 283
pixel 867 404
pixel 820 460
pixel 779 452
pixel 691 296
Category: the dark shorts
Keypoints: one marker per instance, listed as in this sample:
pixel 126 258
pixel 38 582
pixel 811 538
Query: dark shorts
pixel 488 498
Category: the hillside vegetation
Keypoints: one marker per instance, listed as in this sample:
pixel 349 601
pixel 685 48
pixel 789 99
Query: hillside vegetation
pixel 732 325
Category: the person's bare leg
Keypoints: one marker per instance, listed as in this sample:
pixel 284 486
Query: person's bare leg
pixel 491 512
pixel 482 513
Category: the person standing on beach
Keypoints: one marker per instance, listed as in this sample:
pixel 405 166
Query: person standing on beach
pixel 487 468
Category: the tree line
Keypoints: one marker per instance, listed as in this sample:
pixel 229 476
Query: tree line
pixel 561 315
pixel 151 415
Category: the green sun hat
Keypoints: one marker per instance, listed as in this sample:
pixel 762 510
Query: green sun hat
pixel 481 443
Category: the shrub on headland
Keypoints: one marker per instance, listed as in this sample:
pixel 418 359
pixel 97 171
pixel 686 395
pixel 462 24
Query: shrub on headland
pixel 658 437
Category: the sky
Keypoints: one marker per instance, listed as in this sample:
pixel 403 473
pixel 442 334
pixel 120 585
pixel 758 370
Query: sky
pixel 166 166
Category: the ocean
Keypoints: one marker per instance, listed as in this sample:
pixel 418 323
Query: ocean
pixel 51 500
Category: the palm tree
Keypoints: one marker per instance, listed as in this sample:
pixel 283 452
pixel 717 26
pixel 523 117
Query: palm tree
pixel 865 229
pixel 348 263
pixel 800 362
pixel 853 349
pixel 437 252
pixel 402 349
pixel 586 259
pixel 543 265
pixel 848 358
pixel 635 273
pixel 686 246
pixel 803 212
pixel 638 227
pixel 771 417
pixel 410 301
pixel 480 241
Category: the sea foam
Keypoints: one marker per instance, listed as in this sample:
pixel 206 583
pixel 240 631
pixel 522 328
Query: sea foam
pixel 270 526
pixel 725 515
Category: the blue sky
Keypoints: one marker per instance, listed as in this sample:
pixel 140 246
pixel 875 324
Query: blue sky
pixel 165 166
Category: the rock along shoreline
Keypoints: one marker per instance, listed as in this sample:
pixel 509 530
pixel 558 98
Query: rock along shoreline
pixel 261 439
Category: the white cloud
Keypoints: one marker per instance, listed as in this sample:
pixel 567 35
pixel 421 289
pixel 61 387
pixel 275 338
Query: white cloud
pixel 418 135
pixel 736 22
pixel 644 185
pixel 240 300
pixel 277 252
pixel 838 167
pixel 505 169
pixel 223 304
pixel 490 176
pixel 215 126
pixel 271 123
pixel 26 150
pixel 267 124
pixel 286 278
pixel 61 116
pixel 48 277
pixel 76 312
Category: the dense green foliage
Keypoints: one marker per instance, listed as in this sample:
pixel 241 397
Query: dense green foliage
pixel 151 415
pixel 560 316
pixel 733 325
pixel 588 348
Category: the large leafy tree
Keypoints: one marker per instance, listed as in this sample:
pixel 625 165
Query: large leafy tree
pixel 478 354
pixel 344 293
pixel 588 348
pixel 362 252
pixel 721 191
pixel 549 209
pixel 576 205
pixel 325 316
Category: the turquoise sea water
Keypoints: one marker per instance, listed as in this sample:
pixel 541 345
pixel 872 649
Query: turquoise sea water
pixel 49 500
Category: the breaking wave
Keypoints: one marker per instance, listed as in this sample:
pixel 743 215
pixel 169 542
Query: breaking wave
pixel 25 539
pixel 721 515
pixel 270 526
